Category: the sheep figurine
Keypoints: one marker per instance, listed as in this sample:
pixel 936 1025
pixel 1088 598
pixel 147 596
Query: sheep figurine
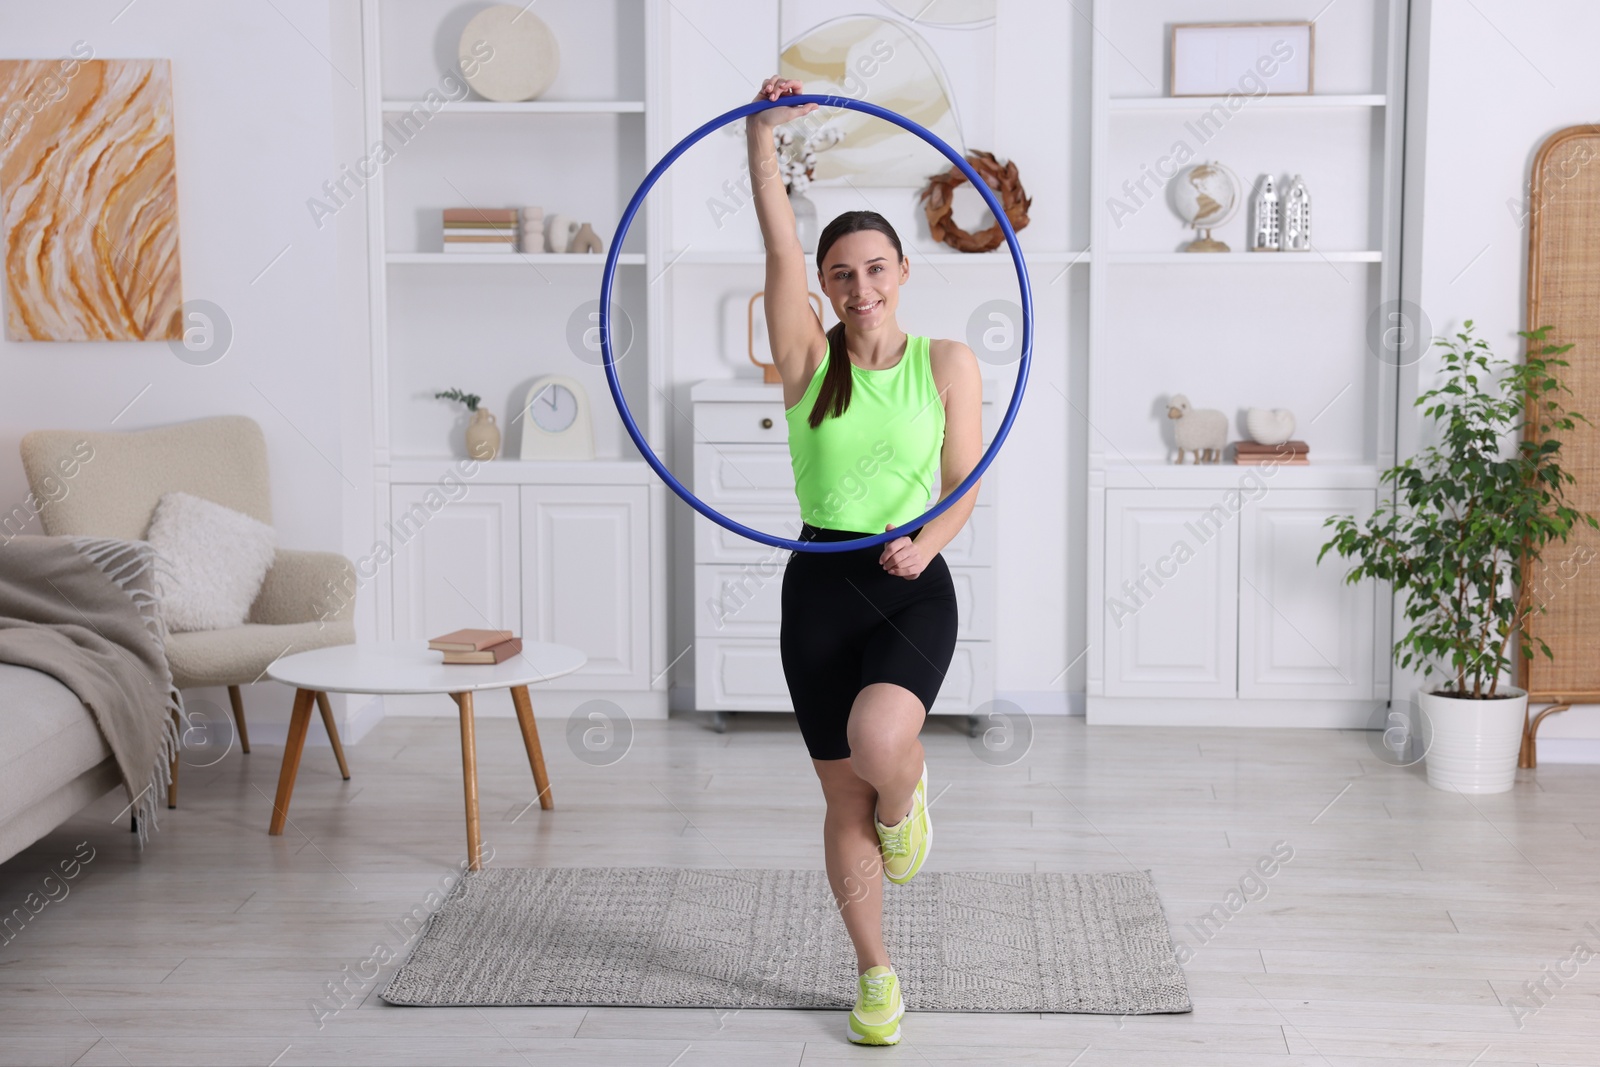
pixel 1202 431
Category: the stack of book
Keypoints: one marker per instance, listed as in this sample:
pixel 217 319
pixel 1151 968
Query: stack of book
pixel 473 229
pixel 477 646
pixel 1289 453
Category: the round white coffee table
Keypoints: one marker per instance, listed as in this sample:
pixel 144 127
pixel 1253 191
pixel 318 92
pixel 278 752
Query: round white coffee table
pixel 412 667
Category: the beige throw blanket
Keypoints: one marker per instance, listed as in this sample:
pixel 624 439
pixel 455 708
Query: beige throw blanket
pixel 83 610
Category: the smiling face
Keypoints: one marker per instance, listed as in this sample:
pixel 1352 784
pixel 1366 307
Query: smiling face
pixel 861 275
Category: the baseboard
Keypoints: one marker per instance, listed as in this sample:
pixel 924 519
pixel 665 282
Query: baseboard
pixel 1166 711
pixel 1042 702
pixel 1569 750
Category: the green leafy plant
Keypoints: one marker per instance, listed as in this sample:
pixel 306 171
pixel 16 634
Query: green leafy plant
pixel 469 399
pixel 1465 521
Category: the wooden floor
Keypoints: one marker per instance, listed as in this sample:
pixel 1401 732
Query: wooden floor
pixel 1399 932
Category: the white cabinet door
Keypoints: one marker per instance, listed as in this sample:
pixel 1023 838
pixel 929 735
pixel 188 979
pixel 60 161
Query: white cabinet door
pixel 585 579
pixel 1303 630
pixel 1172 577
pixel 455 561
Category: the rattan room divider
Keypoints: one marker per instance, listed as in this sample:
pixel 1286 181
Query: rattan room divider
pixel 1563 214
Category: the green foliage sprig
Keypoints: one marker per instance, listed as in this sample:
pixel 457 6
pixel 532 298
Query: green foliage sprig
pixel 1466 521
pixel 469 399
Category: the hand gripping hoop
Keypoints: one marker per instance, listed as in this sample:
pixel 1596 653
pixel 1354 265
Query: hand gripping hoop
pixel 610 276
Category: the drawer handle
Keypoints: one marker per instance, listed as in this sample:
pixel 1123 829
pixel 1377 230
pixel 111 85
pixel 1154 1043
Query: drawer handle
pixel 766 424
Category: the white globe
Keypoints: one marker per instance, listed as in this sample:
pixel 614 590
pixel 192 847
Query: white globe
pixel 1207 194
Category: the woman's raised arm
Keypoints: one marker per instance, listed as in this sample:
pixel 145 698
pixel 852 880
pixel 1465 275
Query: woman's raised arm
pixel 792 327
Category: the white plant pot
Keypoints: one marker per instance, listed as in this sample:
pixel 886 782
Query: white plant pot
pixel 1475 742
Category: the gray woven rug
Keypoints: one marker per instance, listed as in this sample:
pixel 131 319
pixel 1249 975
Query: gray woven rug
pixel 685 937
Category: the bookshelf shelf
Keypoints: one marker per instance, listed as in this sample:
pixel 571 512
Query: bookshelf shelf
pixel 1206 103
pixel 530 107
pixel 1197 259
pixel 692 257
pixel 503 259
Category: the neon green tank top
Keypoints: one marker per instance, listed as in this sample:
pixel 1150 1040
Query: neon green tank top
pixel 877 463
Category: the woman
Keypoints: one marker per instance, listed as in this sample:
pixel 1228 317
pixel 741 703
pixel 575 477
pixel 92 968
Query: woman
pixel 867 634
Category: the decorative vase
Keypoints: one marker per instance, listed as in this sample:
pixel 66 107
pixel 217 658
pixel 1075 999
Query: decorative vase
pixel 483 436
pixel 805 221
pixel 1475 742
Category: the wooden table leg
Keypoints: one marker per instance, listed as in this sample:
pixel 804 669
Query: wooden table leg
pixel 333 734
pixel 469 775
pixel 172 783
pixel 299 722
pixel 530 740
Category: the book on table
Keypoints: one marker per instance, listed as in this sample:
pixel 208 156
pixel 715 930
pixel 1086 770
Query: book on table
pixel 469 640
pixel 493 654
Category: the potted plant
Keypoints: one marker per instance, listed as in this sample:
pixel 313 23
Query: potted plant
pixel 1464 523
pixel 483 436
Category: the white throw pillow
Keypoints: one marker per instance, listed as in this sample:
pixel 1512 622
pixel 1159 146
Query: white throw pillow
pixel 215 561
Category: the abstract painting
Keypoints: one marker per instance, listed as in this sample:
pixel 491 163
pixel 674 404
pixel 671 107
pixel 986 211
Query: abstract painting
pixel 896 59
pixel 89 200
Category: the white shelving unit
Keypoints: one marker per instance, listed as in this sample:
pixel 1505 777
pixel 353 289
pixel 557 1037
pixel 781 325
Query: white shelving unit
pixel 563 551
pixel 1205 602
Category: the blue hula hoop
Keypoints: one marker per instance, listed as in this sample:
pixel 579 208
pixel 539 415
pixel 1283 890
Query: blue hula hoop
pixel 609 277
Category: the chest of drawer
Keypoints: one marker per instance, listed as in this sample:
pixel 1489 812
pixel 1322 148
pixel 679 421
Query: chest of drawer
pixel 742 421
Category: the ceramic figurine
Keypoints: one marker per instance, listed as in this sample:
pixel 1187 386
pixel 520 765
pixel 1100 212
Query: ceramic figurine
pixel 1203 431
pixel 1297 217
pixel 530 233
pixel 559 230
pixel 1266 427
pixel 586 240
pixel 1266 222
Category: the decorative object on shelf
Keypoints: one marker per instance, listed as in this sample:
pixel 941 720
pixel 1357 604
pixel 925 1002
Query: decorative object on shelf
pixel 797 156
pixel 530 230
pixel 1297 217
pixel 1208 196
pixel 586 240
pixel 483 435
pixel 938 199
pixel 475 230
pixel 559 231
pixel 1269 427
pixel 557 424
pixel 769 371
pixel 1241 58
pixel 805 221
pixel 89 201
pixel 1286 453
pixel 1266 218
pixel 797 163
pixel 1203 431
pixel 510 53
pixel 1463 517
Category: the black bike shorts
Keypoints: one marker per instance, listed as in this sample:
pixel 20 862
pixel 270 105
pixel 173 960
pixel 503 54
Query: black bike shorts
pixel 848 623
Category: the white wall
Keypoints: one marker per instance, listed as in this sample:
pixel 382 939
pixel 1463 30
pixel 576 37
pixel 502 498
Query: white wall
pixel 259 111
pixel 1490 81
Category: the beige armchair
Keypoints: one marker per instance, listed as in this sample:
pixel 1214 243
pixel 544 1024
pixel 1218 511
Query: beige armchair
pixel 307 599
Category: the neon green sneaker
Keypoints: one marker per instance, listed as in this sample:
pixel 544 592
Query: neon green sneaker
pixel 906 844
pixel 875 1020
